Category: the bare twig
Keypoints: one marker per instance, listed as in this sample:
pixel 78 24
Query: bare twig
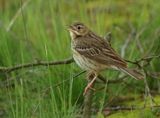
pixel 153 74
pixel 117 108
pixel 147 89
pixel 147 59
pixel 34 64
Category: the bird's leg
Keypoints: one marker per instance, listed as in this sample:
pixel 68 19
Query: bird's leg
pixel 89 86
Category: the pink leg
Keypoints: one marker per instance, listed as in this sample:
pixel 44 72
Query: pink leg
pixel 89 86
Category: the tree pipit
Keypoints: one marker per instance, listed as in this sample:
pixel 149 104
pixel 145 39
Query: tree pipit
pixel 94 54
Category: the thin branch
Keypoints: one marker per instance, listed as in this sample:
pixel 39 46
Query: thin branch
pixel 65 61
pixel 117 108
pixel 109 110
pixel 147 89
pixel 147 59
pixel 34 64
pixel 153 74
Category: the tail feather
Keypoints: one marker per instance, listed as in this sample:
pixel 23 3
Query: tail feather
pixel 136 74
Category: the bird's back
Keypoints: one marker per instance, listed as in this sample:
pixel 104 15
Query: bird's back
pixel 97 49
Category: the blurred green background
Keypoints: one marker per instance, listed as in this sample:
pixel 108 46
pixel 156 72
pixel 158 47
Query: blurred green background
pixel 33 30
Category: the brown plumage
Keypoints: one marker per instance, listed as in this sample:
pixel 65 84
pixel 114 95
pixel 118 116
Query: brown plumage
pixel 94 54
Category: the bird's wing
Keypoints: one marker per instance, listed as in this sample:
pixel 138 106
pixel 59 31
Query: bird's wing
pixel 99 51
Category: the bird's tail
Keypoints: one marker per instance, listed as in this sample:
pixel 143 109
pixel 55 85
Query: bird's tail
pixel 136 74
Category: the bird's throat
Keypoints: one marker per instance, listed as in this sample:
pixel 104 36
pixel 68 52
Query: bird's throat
pixel 72 34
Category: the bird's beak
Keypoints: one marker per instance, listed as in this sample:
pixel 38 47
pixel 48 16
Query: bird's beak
pixel 70 28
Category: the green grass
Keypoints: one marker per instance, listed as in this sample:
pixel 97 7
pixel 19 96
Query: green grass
pixel 40 33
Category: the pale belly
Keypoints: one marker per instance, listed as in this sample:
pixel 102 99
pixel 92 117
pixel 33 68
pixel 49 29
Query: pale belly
pixel 87 64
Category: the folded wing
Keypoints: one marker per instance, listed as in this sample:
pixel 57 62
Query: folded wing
pixel 99 51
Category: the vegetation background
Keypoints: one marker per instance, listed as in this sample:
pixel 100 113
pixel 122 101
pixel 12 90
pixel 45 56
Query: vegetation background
pixel 32 30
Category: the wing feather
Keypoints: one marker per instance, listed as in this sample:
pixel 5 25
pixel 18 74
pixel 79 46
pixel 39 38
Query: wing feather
pixel 99 51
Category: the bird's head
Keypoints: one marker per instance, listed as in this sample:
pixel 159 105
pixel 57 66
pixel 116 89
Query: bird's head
pixel 78 29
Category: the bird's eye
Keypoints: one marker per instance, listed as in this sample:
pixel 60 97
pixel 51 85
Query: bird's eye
pixel 79 27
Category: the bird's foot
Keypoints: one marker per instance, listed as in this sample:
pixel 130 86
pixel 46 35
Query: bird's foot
pixel 89 86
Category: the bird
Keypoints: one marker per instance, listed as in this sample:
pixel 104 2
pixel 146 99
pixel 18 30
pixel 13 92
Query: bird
pixel 94 54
